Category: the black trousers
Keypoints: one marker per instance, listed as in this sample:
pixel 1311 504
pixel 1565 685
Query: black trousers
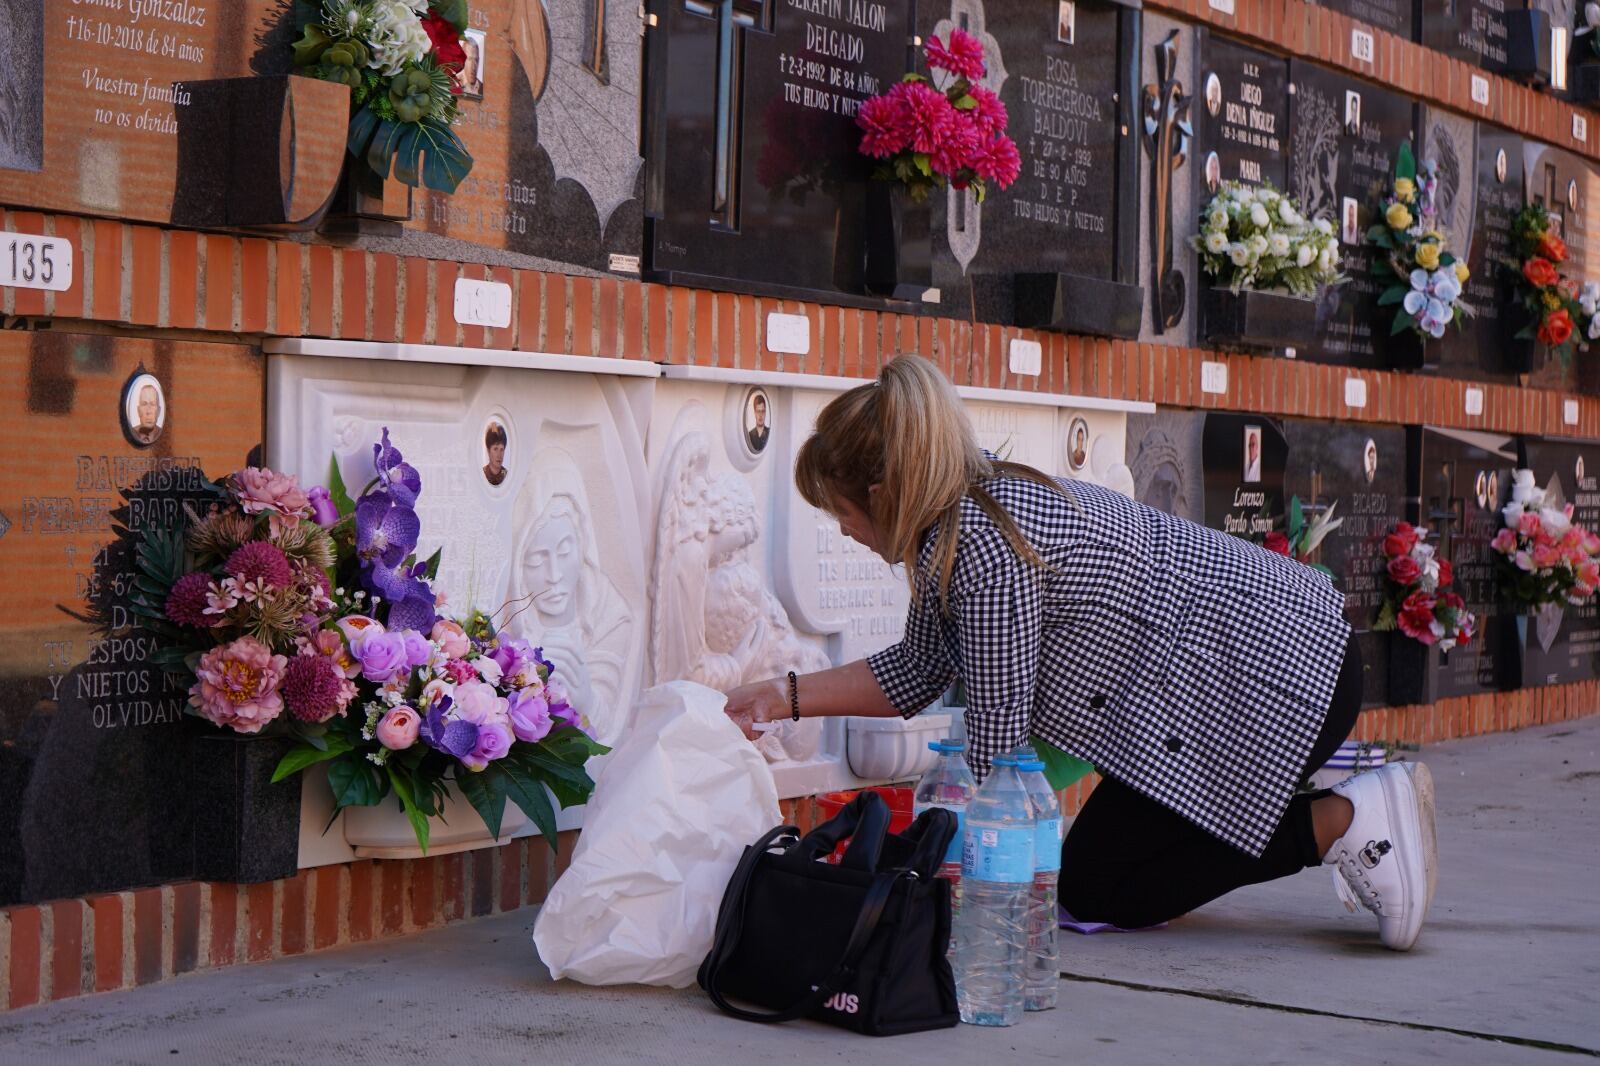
pixel 1132 862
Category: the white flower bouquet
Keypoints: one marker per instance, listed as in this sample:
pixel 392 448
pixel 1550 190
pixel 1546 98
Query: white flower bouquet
pixel 1257 238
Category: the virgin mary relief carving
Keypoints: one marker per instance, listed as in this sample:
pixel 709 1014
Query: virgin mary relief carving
pixel 713 618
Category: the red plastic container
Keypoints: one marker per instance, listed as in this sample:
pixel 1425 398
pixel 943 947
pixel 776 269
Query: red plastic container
pixel 898 799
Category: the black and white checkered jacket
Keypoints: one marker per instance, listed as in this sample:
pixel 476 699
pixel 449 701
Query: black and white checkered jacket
pixel 1190 665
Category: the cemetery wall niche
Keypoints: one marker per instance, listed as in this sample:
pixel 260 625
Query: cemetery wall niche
pixel 104 440
pixel 1561 644
pixel 1398 17
pixel 1569 187
pixel 1473 31
pixel 550 117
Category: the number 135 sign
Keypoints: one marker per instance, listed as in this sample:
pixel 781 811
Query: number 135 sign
pixel 28 261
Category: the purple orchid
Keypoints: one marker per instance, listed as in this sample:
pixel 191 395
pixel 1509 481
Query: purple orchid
pixel 455 738
pixel 400 477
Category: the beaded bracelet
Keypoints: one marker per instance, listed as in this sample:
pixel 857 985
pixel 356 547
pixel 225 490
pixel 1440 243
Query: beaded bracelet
pixel 794 695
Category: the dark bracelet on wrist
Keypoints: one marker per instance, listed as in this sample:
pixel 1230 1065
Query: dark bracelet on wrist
pixel 794 695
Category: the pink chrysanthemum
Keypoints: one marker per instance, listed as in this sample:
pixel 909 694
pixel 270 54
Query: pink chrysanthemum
pixel 313 689
pixel 961 55
pixel 925 117
pixel 990 115
pixel 998 161
pixel 186 603
pixel 261 563
pixel 883 127
pixel 954 151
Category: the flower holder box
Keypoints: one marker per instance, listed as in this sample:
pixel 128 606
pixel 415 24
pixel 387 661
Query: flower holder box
pixel 1405 350
pixel 258 152
pixel 899 243
pixel 1529 52
pixel 1522 669
pixel 1583 82
pixel 367 205
pixel 246 828
pixel 1413 670
pixel 1073 303
pixel 382 830
pixel 1252 318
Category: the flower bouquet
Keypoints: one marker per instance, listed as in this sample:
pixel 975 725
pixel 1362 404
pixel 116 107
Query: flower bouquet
pixel 1268 260
pixel 1424 278
pixel 1304 538
pixel 1551 301
pixel 400 59
pixel 1543 558
pixel 951 130
pixel 1417 599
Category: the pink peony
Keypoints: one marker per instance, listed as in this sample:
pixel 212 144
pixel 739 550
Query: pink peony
pixel 237 685
pixel 494 742
pixel 961 55
pixel 329 643
pixel 998 161
pixel 451 638
pixel 277 495
pixel 261 564
pixel 530 716
pixel 187 602
pixel 1545 557
pixel 989 116
pixel 314 689
pixel 397 729
pixel 478 703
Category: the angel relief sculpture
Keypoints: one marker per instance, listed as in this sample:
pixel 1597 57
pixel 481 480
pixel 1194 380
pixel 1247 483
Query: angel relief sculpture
pixel 714 620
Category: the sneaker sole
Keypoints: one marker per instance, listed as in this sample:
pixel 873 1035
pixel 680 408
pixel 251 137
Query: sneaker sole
pixel 1411 818
pixel 1422 781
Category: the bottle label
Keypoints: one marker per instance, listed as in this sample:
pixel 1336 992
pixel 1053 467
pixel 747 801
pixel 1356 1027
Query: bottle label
pixel 1000 855
pixel 1047 844
pixel 953 852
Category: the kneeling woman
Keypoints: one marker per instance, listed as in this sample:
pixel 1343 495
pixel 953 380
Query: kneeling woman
pixel 1204 677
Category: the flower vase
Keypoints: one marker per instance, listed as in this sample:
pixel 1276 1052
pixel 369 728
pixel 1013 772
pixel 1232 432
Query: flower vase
pixel 246 828
pixel 368 205
pixel 1523 355
pixel 1257 319
pixel 1406 350
pixel 1537 630
pixel 1412 668
pixel 382 831
pixel 1583 81
pixel 899 252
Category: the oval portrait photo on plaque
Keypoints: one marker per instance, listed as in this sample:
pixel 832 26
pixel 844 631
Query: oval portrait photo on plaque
pixel 496 441
pixel 1078 445
pixel 1369 459
pixel 144 409
pixel 757 421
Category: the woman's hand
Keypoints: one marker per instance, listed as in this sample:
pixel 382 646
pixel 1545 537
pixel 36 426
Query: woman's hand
pixel 760 701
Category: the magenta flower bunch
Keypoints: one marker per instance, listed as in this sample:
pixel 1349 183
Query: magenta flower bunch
pixel 945 129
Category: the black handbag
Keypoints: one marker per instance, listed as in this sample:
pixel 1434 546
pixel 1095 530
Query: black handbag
pixel 860 945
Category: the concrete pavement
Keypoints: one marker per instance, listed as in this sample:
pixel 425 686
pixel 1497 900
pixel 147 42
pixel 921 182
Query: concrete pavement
pixel 1507 971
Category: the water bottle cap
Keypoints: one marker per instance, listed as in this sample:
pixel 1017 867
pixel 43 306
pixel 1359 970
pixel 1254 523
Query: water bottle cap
pixel 1005 760
pixel 1031 765
pixel 948 744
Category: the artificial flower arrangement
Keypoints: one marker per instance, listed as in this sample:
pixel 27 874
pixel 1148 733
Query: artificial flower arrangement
pixel 1556 316
pixel 300 611
pixel 1543 557
pixel 1418 598
pixel 1258 239
pixel 927 135
pixel 1588 24
pixel 1304 538
pixel 401 60
pixel 1424 278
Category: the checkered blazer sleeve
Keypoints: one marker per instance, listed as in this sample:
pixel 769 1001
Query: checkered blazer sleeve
pixel 916 671
pixel 998 607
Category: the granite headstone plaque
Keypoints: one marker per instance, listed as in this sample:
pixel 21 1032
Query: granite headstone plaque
pixel 1243 117
pixel 1344 134
pixel 1459 481
pixel 1475 31
pixel 1562 644
pixel 1569 187
pixel 1358 471
pixel 94 779
pixel 1393 16
pixel 1245 459
pixel 1164 453
pixel 757 182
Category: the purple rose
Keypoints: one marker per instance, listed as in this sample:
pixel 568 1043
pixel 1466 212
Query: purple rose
pixel 382 655
pixel 530 716
pixel 418 650
pixel 564 715
pixel 511 656
pixel 494 741
pixel 323 510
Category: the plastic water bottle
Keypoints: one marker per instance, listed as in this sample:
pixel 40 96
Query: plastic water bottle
pixel 1044 954
pixel 997 881
pixel 948 784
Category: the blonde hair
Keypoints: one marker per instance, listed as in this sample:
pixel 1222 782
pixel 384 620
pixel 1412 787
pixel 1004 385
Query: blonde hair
pixel 908 434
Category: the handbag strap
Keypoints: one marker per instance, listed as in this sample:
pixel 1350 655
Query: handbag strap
pixel 730 924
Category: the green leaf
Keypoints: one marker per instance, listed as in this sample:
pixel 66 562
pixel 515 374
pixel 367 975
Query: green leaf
pixel 571 785
pixel 305 755
pixel 572 744
pixel 1297 517
pixel 527 792
pixel 966 103
pixel 924 164
pixel 1402 322
pixel 1405 164
pixel 432 570
pixel 453 12
pixel 1394 294
pixel 337 490
pixel 486 791
pixel 363 124
pixel 356 783
pixel 1380 236
pixel 401 780
pixel 1386 617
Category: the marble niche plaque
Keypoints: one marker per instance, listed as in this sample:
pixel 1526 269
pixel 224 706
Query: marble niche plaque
pixel 1481 349
pixel 1245 457
pixel 1562 645
pixel 1343 140
pixel 1243 116
pixel 95 780
pixel 1063 85
pixel 1398 17
pixel 1472 30
pixel 756 182
pixel 1460 480
pixel 1358 471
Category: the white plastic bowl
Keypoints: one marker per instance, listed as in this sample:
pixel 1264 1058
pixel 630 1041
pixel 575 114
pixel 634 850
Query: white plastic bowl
pixel 893 749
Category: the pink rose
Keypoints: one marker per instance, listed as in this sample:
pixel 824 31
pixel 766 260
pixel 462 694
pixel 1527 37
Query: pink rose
pixel 451 638
pixel 1524 561
pixel 477 702
pixel 494 741
pixel 278 495
pixel 1528 525
pixel 1505 542
pixel 530 716
pixel 1545 557
pixel 237 685
pixel 398 728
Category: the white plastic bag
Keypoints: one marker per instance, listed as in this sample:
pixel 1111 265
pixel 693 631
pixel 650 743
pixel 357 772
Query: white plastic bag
pixel 681 796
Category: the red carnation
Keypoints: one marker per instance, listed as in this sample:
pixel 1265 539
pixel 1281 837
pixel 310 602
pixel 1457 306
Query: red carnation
pixel 1276 542
pixel 1540 272
pixel 447 50
pixel 1556 328
pixel 1404 571
pixel 1447 576
pixel 1416 617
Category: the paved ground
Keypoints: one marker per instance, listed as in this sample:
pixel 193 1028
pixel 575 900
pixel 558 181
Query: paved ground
pixel 1508 971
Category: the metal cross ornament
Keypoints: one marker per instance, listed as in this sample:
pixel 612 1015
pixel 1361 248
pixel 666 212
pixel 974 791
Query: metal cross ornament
pixel 1167 133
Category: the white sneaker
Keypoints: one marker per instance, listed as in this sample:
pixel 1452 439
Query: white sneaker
pixel 1387 861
